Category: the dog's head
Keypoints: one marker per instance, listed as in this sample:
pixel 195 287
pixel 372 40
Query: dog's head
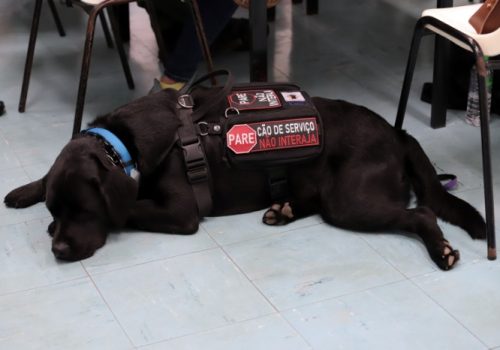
pixel 87 196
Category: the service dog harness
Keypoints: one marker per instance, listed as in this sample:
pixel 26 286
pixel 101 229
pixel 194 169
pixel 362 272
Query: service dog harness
pixel 266 126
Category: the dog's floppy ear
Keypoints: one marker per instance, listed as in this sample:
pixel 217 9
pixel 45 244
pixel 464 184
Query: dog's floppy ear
pixel 151 117
pixel 120 193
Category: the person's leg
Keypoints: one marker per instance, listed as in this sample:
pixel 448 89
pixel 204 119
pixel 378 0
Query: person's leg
pixel 183 60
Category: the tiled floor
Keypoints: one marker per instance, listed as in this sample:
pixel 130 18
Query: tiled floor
pixel 237 284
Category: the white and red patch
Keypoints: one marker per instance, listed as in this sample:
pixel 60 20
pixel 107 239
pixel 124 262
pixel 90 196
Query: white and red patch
pixel 273 135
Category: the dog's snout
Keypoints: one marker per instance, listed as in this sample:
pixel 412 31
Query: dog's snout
pixel 61 250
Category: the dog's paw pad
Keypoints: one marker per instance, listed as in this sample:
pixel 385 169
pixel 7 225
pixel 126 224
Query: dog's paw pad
pixel 449 256
pixel 278 214
pixel 270 217
pixel 287 211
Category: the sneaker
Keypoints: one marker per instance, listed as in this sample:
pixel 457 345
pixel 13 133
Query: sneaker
pixel 158 86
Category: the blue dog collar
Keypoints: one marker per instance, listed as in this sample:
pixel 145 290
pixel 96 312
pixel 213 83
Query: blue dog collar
pixel 118 146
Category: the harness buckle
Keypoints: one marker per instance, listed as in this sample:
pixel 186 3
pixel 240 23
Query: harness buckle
pixel 194 158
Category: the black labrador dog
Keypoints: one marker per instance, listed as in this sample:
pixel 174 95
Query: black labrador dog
pixel 361 181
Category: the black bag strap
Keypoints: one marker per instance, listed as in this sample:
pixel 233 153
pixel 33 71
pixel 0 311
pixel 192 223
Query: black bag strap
pixel 194 157
pixel 198 113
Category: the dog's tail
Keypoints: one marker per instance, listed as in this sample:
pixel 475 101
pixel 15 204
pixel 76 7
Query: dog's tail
pixel 431 193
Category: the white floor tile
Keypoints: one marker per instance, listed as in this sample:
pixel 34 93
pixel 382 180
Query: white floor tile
pixel 63 316
pixel 397 316
pixel 470 295
pixel 27 260
pixel 311 264
pixel 132 248
pixel 180 296
pixel 270 332
pixel 238 228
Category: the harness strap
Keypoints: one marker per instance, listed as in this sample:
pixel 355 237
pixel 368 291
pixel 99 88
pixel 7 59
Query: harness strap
pixel 194 157
pixel 278 183
pixel 215 100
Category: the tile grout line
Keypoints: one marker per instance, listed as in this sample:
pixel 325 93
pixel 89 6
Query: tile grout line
pixel 152 261
pixel 83 277
pixel 375 250
pixel 196 333
pixel 264 296
pixel 108 306
pixel 446 311
pixel 271 234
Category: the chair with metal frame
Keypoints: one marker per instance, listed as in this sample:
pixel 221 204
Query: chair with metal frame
pixel 311 6
pixel 94 9
pixel 452 24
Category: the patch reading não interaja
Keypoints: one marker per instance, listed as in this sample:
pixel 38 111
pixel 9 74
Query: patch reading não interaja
pixel 273 135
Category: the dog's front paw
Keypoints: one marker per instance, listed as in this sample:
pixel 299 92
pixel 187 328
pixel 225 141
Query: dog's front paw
pixel 25 196
pixel 18 198
pixel 446 257
pixel 278 214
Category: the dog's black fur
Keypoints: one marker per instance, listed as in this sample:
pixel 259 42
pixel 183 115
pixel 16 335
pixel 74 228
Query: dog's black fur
pixel 362 181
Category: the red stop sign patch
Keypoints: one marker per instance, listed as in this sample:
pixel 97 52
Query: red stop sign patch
pixel 241 138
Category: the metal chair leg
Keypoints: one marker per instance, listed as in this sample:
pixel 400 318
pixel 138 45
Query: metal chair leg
pixel 155 24
pixel 271 14
pixel 481 66
pixel 29 56
pixel 105 29
pixel 312 7
pixel 84 75
pixel 202 38
pixel 119 47
pixel 485 145
pixel 410 68
pixel 59 25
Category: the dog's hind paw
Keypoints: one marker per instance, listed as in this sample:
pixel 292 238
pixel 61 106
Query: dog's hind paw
pixel 448 257
pixel 278 214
